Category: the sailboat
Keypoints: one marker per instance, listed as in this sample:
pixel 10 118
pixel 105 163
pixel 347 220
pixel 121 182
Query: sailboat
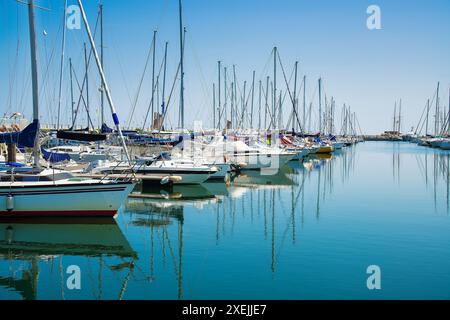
pixel 37 191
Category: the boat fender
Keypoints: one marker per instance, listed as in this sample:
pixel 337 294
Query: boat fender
pixel 165 180
pixel 9 202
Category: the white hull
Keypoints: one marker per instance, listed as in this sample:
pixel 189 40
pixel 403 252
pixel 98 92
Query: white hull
pixel 48 199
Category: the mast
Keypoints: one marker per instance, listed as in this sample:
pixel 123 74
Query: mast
pixel 225 95
pixel 244 106
pixel 395 113
pixel 153 78
pixel 163 104
pixel 259 106
pixel 448 116
pixel 105 84
pixel 320 105
pixel 253 96
pixel 87 83
pixel 266 96
pixel 428 111
pixel 181 67
pixel 294 114
pixel 400 116
pixel 214 106
pixel 220 105
pixel 34 77
pixel 102 94
pixel 235 97
pixel 71 89
pixel 274 85
pixel 304 101
pixel 436 115
pixel 61 70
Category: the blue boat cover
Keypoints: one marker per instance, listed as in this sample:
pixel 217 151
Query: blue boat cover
pixel 106 129
pixel 24 138
pixel 54 157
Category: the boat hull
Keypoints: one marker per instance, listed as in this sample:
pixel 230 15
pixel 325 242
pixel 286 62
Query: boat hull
pixel 186 176
pixel 445 145
pixel 82 200
pixel 325 149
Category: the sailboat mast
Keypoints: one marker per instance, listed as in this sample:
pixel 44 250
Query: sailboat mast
pixel 163 105
pixel 34 76
pixel 436 115
pixel 220 105
pixel 395 113
pixel 61 70
pixel 225 96
pixel 105 84
pixel 294 113
pixel 71 90
pixel 266 104
pixel 304 101
pixel 233 116
pixel 253 96
pixel 214 105
pixel 102 94
pixel 274 86
pixel 181 66
pixel 320 105
pixel 259 106
pixel 86 62
pixel 153 78
pixel 428 112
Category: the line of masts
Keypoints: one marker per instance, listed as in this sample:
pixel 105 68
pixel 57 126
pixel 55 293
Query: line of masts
pixel 441 117
pixel 268 102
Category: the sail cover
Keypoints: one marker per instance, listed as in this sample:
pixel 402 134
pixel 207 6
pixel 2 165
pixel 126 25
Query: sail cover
pixel 23 138
pixel 54 157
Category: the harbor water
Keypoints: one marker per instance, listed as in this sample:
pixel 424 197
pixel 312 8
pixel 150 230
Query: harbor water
pixel 308 232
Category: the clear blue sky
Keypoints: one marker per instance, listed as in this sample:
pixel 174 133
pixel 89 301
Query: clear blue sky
pixel 366 69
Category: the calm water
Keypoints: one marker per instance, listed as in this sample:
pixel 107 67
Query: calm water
pixel 309 232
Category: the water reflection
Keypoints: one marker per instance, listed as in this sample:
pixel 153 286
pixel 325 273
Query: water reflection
pixel 27 244
pixel 259 232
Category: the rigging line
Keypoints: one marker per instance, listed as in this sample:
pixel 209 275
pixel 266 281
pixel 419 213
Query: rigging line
pixel 420 120
pixel 122 73
pixel 290 95
pixel 153 95
pixel 85 75
pixel 170 95
pixel 46 78
pixel 12 74
pixel 136 98
pixel 84 102
pixel 206 92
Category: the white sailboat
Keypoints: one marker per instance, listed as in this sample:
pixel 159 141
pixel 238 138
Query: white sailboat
pixel 40 192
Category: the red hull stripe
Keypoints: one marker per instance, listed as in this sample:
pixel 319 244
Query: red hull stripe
pixel 68 213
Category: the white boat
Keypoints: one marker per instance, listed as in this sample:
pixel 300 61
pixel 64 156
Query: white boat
pixel 40 192
pixel 51 192
pixel 254 157
pixel 162 165
pixel 338 145
pixel 80 153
